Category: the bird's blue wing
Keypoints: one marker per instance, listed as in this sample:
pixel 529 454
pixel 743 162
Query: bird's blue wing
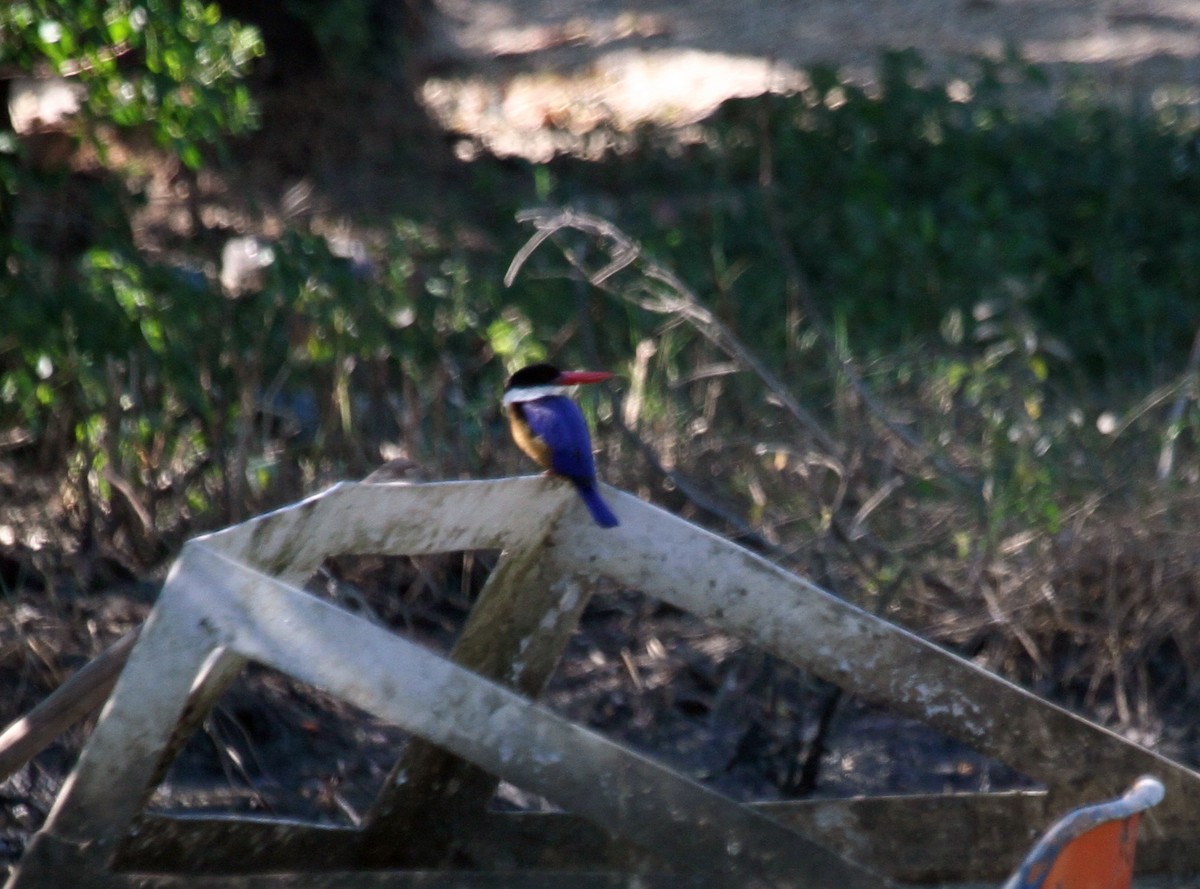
pixel 558 421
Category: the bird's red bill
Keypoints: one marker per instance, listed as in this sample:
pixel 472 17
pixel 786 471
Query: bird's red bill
pixel 580 377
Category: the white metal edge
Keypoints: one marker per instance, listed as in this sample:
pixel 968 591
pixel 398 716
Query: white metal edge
pixel 666 557
pixel 96 806
pixel 516 739
pixel 394 519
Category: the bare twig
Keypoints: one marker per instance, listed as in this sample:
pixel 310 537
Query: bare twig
pixel 66 705
pixel 800 294
pixel 1187 391
pixel 700 498
pixel 125 489
pixel 637 382
pixel 526 251
pixel 677 299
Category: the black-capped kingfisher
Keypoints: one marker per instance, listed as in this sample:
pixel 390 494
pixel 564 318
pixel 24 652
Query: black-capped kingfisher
pixel 548 426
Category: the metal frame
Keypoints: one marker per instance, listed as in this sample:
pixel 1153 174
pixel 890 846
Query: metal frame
pixel 233 596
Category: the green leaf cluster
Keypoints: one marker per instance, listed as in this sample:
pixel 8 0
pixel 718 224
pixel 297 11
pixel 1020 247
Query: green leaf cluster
pixel 174 65
pixel 916 197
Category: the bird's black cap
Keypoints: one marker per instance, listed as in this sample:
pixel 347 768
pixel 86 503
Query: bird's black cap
pixel 533 375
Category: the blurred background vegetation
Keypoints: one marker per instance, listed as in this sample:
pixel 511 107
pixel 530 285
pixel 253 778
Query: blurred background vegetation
pixel 245 270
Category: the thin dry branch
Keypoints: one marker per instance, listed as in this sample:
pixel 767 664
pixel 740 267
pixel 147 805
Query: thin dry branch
pixel 800 293
pixel 696 495
pixel 66 705
pixel 677 299
pixel 1187 391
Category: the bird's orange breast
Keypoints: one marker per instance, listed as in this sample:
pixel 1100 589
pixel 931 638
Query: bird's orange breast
pixel 537 449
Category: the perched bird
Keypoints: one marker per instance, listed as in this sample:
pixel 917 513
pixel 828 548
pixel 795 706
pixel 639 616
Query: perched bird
pixel 548 426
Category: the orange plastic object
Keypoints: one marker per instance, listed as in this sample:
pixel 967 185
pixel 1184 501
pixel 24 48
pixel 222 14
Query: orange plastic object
pixel 1092 847
pixel 1102 858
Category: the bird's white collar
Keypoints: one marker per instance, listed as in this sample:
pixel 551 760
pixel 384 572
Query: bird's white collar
pixel 532 393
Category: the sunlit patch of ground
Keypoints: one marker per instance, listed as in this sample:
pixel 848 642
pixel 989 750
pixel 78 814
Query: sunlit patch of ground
pixel 539 113
pixel 536 77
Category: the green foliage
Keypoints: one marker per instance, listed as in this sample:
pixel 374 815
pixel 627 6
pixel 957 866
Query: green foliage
pixel 1026 261
pixel 172 65
pixel 990 275
pixel 903 203
pixel 998 400
pixel 1065 243
pixel 108 359
pixel 74 319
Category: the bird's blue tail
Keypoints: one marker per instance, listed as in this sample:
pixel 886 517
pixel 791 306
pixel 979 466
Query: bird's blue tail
pixel 596 506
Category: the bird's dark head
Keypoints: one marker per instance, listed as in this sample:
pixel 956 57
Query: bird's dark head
pixel 540 380
pixel 533 375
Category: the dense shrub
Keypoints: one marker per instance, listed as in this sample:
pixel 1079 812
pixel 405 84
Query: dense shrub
pixel 917 198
